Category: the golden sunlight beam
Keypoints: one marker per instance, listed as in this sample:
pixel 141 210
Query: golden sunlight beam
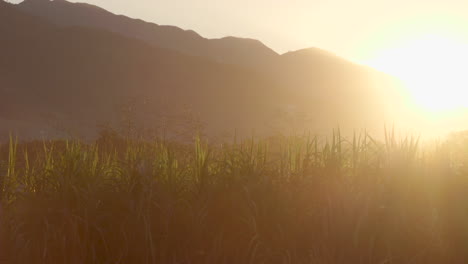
pixel 433 67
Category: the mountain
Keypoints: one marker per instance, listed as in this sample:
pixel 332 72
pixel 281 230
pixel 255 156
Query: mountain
pixel 231 50
pixel 78 78
pixel 74 67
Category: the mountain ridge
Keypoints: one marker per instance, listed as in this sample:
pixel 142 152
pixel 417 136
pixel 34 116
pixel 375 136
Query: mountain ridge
pixel 80 78
pixel 81 75
pixel 187 41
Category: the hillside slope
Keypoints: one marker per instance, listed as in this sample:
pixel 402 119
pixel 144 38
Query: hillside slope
pixel 231 50
pixel 81 78
pixel 58 77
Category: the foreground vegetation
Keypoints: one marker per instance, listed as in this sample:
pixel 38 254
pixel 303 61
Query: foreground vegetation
pixel 279 200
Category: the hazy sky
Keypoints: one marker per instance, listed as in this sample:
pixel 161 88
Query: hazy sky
pixel 353 29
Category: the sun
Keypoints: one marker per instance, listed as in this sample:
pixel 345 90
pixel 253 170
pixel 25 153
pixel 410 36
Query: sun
pixel 433 67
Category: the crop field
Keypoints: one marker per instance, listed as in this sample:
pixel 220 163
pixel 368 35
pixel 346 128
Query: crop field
pixel 284 199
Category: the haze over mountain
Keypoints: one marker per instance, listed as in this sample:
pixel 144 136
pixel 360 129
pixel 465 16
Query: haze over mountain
pixel 228 50
pixel 77 66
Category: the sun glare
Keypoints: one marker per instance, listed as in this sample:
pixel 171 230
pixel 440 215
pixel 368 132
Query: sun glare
pixel 434 68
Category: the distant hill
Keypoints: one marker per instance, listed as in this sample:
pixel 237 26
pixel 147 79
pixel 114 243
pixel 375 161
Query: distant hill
pixel 81 77
pixel 246 52
pixel 336 92
pixel 74 67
